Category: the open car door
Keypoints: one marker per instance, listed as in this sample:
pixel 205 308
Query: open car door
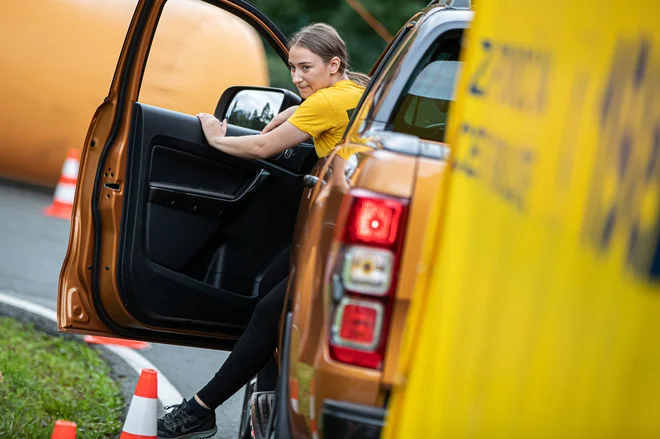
pixel 171 240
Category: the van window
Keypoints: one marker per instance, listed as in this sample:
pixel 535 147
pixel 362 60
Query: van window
pixel 423 107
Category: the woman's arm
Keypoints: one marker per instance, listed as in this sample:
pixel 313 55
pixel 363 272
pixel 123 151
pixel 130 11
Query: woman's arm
pixel 279 119
pixel 258 146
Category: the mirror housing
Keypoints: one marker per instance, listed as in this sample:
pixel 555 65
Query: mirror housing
pixel 253 107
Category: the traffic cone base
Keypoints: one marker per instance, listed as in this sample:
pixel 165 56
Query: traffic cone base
pixel 125 435
pixel 133 344
pixel 59 210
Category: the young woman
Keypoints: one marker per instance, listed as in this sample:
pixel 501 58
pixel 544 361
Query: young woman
pixel 318 60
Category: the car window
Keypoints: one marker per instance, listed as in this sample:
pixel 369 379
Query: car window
pixel 423 107
pixel 392 69
pixel 187 69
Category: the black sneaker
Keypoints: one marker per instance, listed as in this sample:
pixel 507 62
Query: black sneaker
pixel 179 424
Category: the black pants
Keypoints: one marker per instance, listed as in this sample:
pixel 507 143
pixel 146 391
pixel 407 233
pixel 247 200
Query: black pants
pixel 252 351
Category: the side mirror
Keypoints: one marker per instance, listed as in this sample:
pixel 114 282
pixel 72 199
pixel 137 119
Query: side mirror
pixel 253 107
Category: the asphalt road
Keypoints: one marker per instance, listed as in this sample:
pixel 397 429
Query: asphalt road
pixel 32 248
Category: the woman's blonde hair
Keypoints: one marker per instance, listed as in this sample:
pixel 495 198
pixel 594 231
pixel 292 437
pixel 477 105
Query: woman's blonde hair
pixel 324 40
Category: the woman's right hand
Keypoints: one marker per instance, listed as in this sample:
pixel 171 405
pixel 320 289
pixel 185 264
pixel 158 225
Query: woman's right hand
pixel 279 119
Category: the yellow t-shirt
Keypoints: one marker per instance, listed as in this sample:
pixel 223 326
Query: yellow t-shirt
pixel 325 114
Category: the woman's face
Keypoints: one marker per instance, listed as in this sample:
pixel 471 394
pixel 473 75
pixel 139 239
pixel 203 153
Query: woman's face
pixel 309 72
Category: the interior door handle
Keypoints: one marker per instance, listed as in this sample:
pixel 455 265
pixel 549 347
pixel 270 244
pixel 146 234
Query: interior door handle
pixel 202 201
pixel 311 180
pixel 251 186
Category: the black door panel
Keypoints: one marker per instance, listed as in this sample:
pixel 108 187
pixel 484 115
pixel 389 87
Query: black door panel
pixel 204 235
pixel 178 168
pixel 293 159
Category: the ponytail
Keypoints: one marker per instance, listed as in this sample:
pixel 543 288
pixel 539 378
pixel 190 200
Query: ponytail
pixel 359 78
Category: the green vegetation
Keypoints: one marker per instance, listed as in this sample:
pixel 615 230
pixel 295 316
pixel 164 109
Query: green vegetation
pixel 255 120
pixel 364 43
pixel 47 378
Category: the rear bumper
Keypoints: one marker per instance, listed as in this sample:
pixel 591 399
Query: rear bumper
pixel 342 419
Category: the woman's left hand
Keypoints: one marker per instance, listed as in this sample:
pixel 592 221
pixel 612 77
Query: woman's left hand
pixel 212 127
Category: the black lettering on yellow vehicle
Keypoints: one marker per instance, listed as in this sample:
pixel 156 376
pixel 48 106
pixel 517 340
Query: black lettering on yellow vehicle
pixel 514 76
pixel 505 168
pixel 475 88
pixel 468 163
pixel 624 193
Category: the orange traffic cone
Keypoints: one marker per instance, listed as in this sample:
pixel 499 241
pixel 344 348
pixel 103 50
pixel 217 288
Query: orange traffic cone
pixel 133 344
pixel 64 430
pixel 62 206
pixel 141 419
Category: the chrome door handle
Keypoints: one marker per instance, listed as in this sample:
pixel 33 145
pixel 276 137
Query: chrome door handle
pixel 311 180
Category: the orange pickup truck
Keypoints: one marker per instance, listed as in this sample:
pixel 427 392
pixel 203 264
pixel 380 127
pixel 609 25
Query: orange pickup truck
pixel 176 242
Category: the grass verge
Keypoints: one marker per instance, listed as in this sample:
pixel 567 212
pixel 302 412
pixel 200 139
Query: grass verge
pixel 45 378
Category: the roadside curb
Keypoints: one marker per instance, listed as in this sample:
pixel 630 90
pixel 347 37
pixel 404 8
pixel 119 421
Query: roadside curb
pixel 120 371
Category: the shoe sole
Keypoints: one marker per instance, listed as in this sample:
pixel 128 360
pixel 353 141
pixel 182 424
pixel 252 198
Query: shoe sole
pixel 196 435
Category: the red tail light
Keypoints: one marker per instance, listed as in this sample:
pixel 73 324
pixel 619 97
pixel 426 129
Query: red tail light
pixel 374 221
pixel 356 332
pixel 358 323
pixel 363 276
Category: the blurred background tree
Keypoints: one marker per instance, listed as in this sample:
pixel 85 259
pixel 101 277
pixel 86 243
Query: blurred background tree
pixel 364 43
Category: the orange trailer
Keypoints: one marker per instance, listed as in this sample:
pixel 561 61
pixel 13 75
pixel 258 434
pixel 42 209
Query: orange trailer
pixel 58 58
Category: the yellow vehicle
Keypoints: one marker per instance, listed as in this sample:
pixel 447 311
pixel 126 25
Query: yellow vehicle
pixel 540 315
